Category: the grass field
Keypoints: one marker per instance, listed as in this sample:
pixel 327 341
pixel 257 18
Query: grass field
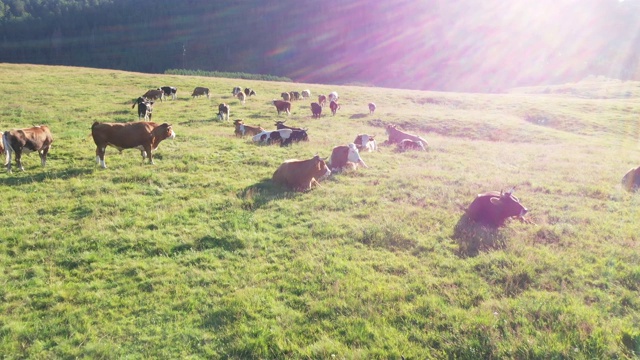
pixel 200 256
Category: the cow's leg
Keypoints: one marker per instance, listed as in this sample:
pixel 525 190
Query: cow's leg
pixel 19 160
pixel 100 151
pixel 43 156
pixel 147 149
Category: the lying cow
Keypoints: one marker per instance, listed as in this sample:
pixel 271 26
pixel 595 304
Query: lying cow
pixel 372 108
pixel 281 125
pixel 282 106
pixel 493 208
pixel 364 141
pixel 223 112
pixel 19 141
pixel 631 180
pixel 145 108
pixel 342 156
pixel 334 106
pixel 242 129
pixel 300 175
pixel 169 91
pixel 272 136
pixel 305 94
pixel 249 92
pixel 396 136
pixel 316 110
pixel 154 94
pixel 295 136
pixel 199 91
pixel 407 144
pixel 145 136
pixel 322 100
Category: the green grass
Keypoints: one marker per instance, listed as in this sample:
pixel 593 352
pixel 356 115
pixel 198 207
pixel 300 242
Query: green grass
pixel 200 256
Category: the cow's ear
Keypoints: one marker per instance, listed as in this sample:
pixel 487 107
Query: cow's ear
pixel 495 201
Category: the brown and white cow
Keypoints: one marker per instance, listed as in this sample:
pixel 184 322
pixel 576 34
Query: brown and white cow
pixel 23 141
pixel 243 129
pixel 241 96
pixel 300 175
pixel 145 108
pixel 316 110
pixel 396 136
pixel 322 100
pixel 342 156
pixel 305 93
pixel 199 91
pixel 631 180
pixel 407 144
pixel 333 96
pixel 236 90
pixel 282 106
pixel 334 106
pixel 493 208
pixel 372 108
pixel 144 136
pixel 364 141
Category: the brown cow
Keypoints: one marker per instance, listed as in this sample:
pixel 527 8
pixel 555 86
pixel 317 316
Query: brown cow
pixel 322 100
pixel 300 175
pixel 199 91
pixel 396 136
pixel 493 208
pixel 372 108
pixel 243 129
pixel 316 110
pixel 145 136
pixel 21 141
pixel 407 144
pixel 285 96
pixel 334 106
pixel 154 94
pixel 241 96
pixel 282 106
pixel 631 180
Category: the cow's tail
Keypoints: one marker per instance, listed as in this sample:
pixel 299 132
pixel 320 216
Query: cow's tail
pixel 7 148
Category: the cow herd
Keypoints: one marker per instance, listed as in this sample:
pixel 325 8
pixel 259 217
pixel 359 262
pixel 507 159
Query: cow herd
pixel 491 208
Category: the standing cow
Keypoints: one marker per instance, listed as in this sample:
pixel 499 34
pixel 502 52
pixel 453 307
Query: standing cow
pixel 316 110
pixel 26 140
pixel 372 108
pixel 169 91
pixel 334 106
pixel 300 175
pixel 145 108
pixel 223 112
pixel 282 106
pixel 199 91
pixel 493 208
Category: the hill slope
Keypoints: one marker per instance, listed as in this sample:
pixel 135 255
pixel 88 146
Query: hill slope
pixel 200 255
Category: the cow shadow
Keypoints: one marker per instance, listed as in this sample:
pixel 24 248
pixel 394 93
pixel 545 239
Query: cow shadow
pixel 263 192
pixel 195 122
pixel 18 177
pixel 474 238
pixel 358 116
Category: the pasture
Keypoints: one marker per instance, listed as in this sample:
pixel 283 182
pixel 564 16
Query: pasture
pixel 200 256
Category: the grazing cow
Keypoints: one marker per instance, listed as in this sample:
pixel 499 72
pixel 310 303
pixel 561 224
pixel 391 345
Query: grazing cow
pixel 249 92
pixel 169 91
pixel 305 94
pixel 333 96
pixel 145 108
pixel 273 136
pixel 334 106
pixel 493 208
pixel 631 180
pixel 364 141
pixel 19 141
pixel 144 136
pixel 236 90
pixel 294 95
pixel 295 136
pixel 300 175
pixel 242 129
pixel 285 96
pixel 282 106
pixel 281 125
pixel 223 112
pixel 372 108
pixel 154 94
pixel 199 91
pixel 341 156
pixel 396 136
pixel 316 110
pixel 322 100
pixel 241 96
pixel 408 144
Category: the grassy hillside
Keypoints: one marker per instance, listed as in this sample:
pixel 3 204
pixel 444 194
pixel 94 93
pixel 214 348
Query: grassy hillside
pixel 200 256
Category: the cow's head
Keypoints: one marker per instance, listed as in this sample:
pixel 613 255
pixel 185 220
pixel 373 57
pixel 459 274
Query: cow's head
pixel 321 170
pixel 390 128
pixel 508 204
pixel 354 155
pixel 280 124
pixel 167 131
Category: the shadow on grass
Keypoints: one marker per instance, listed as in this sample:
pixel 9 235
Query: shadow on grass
pixel 358 116
pixel 261 193
pixel 474 238
pixel 199 122
pixel 21 178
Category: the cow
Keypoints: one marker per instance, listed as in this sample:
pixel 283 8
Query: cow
pixel 169 91
pixel 19 141
pixel 295 136
pixel 242 129
pixel 300 175
pixel 236 90
pixel 285 96
pixel 241 96
pixel 631 180
pixel 272 136
pixel 322 100
pixel 154 94
pixel 249 92
pixel 294 95
pixel 342 155
pixel 493 208
pixel 145 136
pixel 305 94
pixel 372 108
pixel 316 110
pixel 396 136
pixel 333 96
pixel 364 141
pixel 223 112
pixel 199 91
pixel 282 106
pixel 334 106
pixel 145 108
pixel 281 125
pixel 408 144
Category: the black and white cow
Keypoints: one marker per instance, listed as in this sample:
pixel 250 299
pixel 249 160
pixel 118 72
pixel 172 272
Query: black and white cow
pixel 170 91
pixel 223 112
pixel 145 108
